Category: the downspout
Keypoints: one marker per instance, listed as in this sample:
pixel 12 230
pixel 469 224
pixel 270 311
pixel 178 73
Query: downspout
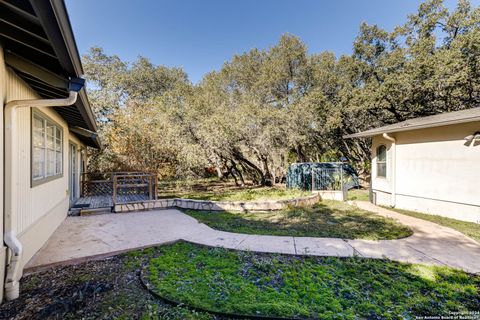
pixel 394 168
pixel 14 271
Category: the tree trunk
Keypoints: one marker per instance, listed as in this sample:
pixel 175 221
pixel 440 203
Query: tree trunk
pixel 220 175
pixel 232 173
pixel 257 172
pixel 240 176
pixel 267 175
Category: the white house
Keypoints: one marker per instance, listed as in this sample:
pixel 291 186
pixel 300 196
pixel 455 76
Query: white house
pixel 429 164
pixel 45 127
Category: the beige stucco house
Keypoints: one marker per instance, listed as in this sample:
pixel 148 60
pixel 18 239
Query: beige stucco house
pixel 429 164
pixel 45 127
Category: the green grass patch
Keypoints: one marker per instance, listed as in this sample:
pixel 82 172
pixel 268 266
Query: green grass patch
pixel 333 219
pixel 358 194
pixel 238 282
pixel 108 288
pixel 470 229
pixel 240 194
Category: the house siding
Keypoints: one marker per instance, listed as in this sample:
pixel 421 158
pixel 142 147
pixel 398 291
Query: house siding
pixel 39 209
pixel 3 97
pixel 436 172
pixel 34 202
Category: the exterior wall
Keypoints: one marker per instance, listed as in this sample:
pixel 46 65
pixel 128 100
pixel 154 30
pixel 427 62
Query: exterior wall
pixel 40 208
pixel 3 89
pixel 34 202
pixel 81 148
pixel 337 195
pixel 436 172
pixel 381 186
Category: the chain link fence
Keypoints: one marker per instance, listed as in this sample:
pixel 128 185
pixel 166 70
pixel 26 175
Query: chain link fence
pixel 322 176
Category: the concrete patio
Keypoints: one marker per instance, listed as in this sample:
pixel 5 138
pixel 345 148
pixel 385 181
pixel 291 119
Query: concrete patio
pixel 84 238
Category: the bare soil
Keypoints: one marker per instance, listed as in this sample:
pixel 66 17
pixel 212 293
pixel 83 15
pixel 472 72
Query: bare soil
pixel 101 289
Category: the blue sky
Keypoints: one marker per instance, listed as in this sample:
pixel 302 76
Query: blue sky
pixel 201 35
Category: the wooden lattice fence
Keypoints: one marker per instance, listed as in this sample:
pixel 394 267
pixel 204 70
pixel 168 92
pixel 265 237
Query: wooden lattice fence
pixel 121 186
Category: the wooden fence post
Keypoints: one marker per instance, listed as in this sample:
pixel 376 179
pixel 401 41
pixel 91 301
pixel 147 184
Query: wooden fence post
pixel 150 187
pixel 114 193
pixel 342 185
pixel 313 178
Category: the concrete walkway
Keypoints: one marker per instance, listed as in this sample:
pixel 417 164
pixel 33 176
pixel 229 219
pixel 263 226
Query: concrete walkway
pixel 83 238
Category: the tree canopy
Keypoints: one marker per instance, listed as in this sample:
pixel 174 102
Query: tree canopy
pixel 267 108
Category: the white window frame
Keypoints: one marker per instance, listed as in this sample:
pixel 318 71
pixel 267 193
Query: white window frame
pixel 57 148
pixel 384 162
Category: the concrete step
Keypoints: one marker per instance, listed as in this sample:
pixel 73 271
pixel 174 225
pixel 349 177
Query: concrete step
pixel 95 211
pixel 74 211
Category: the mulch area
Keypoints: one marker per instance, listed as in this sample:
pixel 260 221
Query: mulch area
pixel 101 289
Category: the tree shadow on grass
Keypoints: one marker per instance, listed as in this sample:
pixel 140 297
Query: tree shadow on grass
pixel 243 282
pixel 309 287
pixel 331 220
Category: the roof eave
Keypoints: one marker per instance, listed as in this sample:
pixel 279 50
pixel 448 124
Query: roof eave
pixel 356 135
pixel 91 137
pixel 60 34
pixel 377 132
pixel 87 110
pixel 63 42
pixel 63 20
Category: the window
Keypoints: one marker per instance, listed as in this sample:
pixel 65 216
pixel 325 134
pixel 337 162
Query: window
pixel 382 161
pixel 47 149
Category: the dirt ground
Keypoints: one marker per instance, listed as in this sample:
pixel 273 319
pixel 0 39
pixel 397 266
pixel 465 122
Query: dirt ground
pixel 101 289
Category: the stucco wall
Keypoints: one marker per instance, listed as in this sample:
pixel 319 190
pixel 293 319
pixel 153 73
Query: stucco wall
pixel 436 172
pixel 331 195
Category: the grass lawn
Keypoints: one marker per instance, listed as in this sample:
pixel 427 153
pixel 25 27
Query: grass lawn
pixel 215 190
pixel 470 229
pixel 240 194
pixel 223 280
pixel 308 287
pixel 358 194
pixel 333 219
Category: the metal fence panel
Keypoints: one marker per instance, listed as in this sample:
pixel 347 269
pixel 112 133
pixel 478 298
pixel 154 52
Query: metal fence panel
pixel 322 176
